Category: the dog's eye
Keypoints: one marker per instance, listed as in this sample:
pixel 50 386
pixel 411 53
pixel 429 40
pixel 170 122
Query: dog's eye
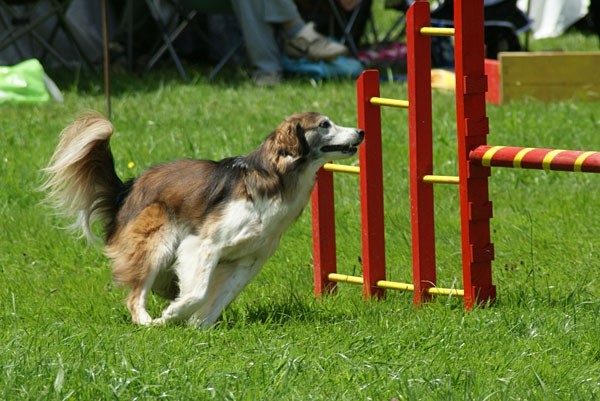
pixel 325 124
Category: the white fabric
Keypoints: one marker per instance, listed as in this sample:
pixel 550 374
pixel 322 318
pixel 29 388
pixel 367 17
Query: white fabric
pixel 552 17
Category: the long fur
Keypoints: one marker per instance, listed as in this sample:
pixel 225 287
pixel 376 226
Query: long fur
pixel 81 175
pixel 194 231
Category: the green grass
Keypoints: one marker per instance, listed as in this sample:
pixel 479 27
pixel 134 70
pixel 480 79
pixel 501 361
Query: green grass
pixel 65 333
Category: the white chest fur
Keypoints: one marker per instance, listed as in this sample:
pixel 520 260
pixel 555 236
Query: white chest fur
pixel 247 227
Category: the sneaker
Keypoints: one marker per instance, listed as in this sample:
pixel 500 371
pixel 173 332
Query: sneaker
pixel 266 78
pixel 309 43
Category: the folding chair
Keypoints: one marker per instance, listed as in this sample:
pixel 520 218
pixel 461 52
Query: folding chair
pixel 21 18
pixel 187 11
pixel 346 25
pixel 398 29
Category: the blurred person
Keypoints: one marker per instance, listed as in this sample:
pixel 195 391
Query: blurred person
pixel 258 21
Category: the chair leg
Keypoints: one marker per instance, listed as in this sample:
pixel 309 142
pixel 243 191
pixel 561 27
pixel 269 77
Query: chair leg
pixel 57 11
pixel 29 29
pixel 346 26
pixel 7 28
pixel 168 39
pixel 389 36
pixel 224 60
pixel 167 42
pixel 60 8
pixel 16 34
pixel 176 32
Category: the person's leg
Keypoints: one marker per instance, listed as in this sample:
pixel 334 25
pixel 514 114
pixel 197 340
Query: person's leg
pixel 279 11
pixel 257 18
pixel 259 36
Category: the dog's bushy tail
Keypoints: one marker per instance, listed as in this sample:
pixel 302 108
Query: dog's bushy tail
pixel 81 178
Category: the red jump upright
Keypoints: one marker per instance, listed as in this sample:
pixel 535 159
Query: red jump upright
pixel 371 201
pixel 371 185
pixel 323 232
pixel 420 151
pixel 472 129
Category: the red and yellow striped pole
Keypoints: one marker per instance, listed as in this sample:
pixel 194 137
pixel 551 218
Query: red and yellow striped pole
pixel 536 158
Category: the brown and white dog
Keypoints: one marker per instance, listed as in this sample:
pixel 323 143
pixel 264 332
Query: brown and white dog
pixel 194 231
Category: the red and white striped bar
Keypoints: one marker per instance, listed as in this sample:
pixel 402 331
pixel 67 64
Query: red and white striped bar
pixel 536 158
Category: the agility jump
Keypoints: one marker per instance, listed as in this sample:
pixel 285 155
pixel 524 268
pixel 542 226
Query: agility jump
pixel 536 158
pixel 475 158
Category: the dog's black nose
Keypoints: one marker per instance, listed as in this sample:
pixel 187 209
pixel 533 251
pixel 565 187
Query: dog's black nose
pixel 361 134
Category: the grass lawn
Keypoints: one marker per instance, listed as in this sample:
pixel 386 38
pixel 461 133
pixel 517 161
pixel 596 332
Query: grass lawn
pixel 65 333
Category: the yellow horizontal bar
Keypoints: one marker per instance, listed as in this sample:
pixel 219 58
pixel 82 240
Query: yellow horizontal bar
pixel 341 168
pixel 382 101
pixel 446 291
pixel 432 31
pixel 392 285
pixel 343 278
pixel 440 179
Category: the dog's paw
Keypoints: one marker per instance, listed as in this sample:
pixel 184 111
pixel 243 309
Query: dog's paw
pixel 142 319
pixel 159 321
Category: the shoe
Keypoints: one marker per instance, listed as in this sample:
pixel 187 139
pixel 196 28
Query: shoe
pixel 266 79
pixel 309 43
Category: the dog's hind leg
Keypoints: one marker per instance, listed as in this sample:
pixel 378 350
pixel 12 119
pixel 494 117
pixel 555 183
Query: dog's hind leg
pixel 139 251
pixel 195 265
pixel 136 302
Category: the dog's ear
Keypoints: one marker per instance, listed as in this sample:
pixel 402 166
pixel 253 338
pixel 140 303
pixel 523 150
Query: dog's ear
pixel 303 147
pixel 289 140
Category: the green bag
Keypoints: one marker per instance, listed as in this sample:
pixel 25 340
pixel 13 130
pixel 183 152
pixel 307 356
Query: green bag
pixel 23 83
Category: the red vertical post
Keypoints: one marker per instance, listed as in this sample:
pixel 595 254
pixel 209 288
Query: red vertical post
pixel 371 184
pixel 323 228
pixel 421 150
pixel 472 129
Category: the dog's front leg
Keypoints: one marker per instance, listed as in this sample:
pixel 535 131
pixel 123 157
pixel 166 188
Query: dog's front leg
pixel 195 265
pixel 227 284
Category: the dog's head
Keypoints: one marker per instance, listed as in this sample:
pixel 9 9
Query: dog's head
pixel 313 137
pixel 296 149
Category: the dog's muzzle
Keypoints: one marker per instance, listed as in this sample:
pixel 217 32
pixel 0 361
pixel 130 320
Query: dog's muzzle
pixel 345 149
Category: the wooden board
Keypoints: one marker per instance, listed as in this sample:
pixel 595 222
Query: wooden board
pixel 550 76
pixel 492 70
